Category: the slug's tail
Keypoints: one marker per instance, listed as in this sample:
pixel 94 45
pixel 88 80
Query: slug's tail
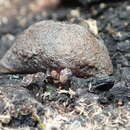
pixel 3 69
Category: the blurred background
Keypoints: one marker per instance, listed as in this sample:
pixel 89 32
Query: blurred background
pixel 111 17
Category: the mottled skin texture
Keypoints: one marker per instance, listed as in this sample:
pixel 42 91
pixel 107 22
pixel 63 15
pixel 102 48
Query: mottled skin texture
pixel 55 46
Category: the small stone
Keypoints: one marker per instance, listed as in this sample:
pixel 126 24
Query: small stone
pixel 128 7
pixel 103 5
pixel 92 25
pixel 75 13
pixel 5 119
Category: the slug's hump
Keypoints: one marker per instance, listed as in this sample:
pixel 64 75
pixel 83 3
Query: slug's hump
pixel 56 45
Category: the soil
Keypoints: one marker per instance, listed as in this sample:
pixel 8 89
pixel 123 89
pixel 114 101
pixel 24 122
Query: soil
pixel 93 103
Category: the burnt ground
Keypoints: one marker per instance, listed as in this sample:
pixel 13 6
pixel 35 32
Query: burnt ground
pixel 92 104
